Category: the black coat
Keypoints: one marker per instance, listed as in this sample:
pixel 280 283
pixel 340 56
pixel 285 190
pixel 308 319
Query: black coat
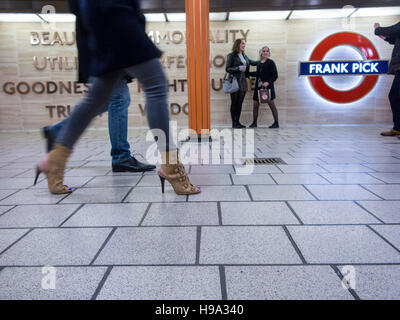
pixel 110 36
pixel 392 35
pixel 266 72
pixel 233 64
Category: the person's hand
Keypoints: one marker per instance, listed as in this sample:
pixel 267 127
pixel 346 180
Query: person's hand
pixel 376 25
pixel 382 37
pixel 265 84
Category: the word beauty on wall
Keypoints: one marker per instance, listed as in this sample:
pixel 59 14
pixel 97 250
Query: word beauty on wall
pixel 369 68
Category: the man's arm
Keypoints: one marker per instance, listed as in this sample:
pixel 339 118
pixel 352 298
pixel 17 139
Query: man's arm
pixel 389 32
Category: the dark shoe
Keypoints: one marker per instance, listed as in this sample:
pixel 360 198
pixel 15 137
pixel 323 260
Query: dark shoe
pixel 391 133
pixel 275 125
pixel 238 125
pixel 253 125
pixel 49 137
pixel 132 165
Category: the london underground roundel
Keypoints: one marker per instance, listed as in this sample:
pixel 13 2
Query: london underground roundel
pixel 370 67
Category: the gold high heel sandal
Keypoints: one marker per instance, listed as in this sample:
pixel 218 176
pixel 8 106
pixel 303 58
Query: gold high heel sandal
pixel 174 172
pixel 54 166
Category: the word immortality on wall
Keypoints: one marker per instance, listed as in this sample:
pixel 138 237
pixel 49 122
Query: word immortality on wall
pixel 64 63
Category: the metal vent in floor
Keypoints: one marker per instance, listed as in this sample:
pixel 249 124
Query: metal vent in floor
pixel 263 161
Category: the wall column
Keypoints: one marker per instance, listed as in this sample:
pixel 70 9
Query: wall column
pixel 198 63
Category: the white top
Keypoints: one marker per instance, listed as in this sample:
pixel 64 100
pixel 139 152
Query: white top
pixel 243 60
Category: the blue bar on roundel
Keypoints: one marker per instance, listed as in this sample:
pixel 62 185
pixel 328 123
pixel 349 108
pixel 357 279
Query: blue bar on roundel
pixel 332 68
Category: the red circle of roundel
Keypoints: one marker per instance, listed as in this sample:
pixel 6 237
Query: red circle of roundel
pixel 339 39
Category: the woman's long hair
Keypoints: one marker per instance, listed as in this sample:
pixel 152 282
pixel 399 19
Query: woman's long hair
pixel 236 45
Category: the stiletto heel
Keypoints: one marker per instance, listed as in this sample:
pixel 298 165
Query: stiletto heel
pixel 162 183
pixel 38 172
pixel 174 172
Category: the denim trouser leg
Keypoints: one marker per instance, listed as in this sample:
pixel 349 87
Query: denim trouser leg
pixel 155 85
pixel 151 76
pixel 55 129
pixel 118 123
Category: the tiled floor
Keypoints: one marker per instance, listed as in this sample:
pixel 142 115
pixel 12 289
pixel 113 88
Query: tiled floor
pixel 290 231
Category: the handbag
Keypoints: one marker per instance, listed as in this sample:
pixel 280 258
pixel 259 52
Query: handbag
pixel 230 84
pixel 264 95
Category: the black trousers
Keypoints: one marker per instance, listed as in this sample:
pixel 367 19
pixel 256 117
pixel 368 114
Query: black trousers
pixel 236 105
pixel 394 98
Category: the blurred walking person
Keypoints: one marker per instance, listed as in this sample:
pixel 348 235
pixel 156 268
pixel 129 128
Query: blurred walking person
pixel 112 43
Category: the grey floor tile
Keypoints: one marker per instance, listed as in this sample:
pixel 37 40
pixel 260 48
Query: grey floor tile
pixel 15 183
pixel 388 211
pixel 73 283
pixel 303 161
pixel 125 173
pixel 153 194
pixel 387 192
pixel 210 179
pixel 298 178
pixel 4 209
pixel 280 193
pixel 5 193
pixel 384 167
pixel 33 216
pixel 377 282
pixel 390 233
pixel 380 160
pixel 56 247
pixel 97 195
pixel 10 173
pixel 350 178
pixel 72 182
pixel 300 168
pixel 149 181
pixel 247 170
pixel 341 192
pixel 113 181
pixel 32 196
pixel 30 174
pixel 162 283
pixel 170 214
pixel 337 160
pixel 342 244
pixel 97 163
pixel 387 177
pixel 257 213
pixel 331 212
pixel 211 169
pixel 258 178
pixel 148 245
pixel 246 245
pixel 221 193
pixel 346 168
pixel 284 283
pixel 9 236
pixel 88 172
pixel 103 215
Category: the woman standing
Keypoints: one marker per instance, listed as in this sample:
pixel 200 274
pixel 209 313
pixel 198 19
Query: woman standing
pixel 238 65
pixel 266 75
pixel 112 43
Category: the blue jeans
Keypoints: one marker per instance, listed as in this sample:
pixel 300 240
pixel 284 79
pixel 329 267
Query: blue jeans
pixel 117 123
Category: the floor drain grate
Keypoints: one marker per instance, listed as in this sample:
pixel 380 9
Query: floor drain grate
pixel 263 161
